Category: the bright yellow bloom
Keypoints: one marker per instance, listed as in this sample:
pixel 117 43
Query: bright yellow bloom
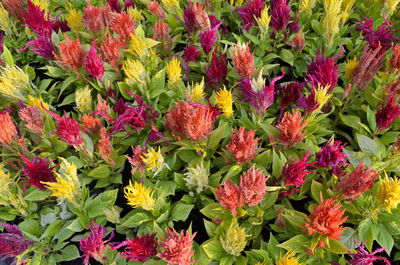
pixel 137 46
pixel 153 160
pixel 197 91
pixel 42 4
pixel 67 186
pixel 224 101
pixel 74 19
pixel 390 6
pixel 174 71
pixel 234 241
pixel 139 196
pixel 236 2
pixel 388 194
pixel 135 13
pixel 322 96
pixel 307 6
pixel 169 4
pixel 37 102
pixel 331 20
pixel 347 8
pixel 351 66
pixel 135 72
pixel 83 99
pixel 4 19
pixel 264 19
pixel 14 83
pixel 288 259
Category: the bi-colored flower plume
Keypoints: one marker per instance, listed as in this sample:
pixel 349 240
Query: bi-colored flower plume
pixel 280 14
pixel 234 241
pixel 253 186
pixel 37 170
pixel 243 60
pixel 42 46
pixel 294 172
pixel 353 185
pixel 388 193
pixel 83 99
pixel 291 128
pixel 67 186
pixel 250 12
pixel 14 83
pixel 13 242
pixel 94 65
pixel 326 219
pixel 139 196
pixel 68 129
pixel 230 196
pixel 8 130
pixel 363 257
pixel 288 259
pixel 139 248
pixel 153 159
pixel 177 248
pixel 72 54
pixel 94 245
pixel 136 160
pixel 197 177
pixel 15 8
pixel 217 70
pixel 224 101
pixel 38 102
pixel 174 71
pixel 105 146
pixel 332 156
pixel 243 145
pixel 201 18
pixel 388 113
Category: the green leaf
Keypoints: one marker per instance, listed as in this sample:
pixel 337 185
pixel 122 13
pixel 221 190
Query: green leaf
pixel 316 190
pixel 213 210
pixel 287 56
pixel 181 211
pixel 95 207
pixel 70 252
pixel 277 165
pixel 296 218
pixel 384 238
pixel 136 220
pixel 272 247
pixel 335 246
pixel 367 145
pixel 100 172
pixel 52 229
pixel 227 260
pixel 210 227
pixel 213 249
pixel 296 244
pixel 349 238
pixel 37 195
pixel 7 56
pixel 30 226
pixel 216 136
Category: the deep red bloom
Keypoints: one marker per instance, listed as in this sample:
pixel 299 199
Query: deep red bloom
pixel 280 14
pixel 93 63
pixel 42 46
pixel 253 186
pixel 36 19
pixel 123 25
pixel 136 160
pixel 291 128
pixel 363 257
pixel 388 113
pixel 250 12
pixel 115 5
pixel 243 145
pixel 61 25
pixel 189 18
pixel 295 171
pixel 289 93
pixel 217 70
pixel 359 181
pixel 37 170
pixel 12 243
pixel 177 247
pixel 230 196
pixel 139 248
pixel 331 155
pixel 208 38
pixel 326 219
pixel 190 54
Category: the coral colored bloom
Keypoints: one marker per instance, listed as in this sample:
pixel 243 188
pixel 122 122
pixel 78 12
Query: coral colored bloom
pixel 208 38
pixel 139 248
pixel 136 160
pixel 234 241
pixel 288 259
pixel 295 171
pixel 332 156
pixel 93 18
pixel 326 219
pixel 155 8
pixel 202 20
pixel 105 146
pixel 94 245
pixel 250 12
pixel 217 70
pixel 388 193
pixel 363 257
pixel 8 131
pixel 353 185
pixel 13 242
pixel 111 49
pixel 139 196
pixel 253 186
pixel 298 41
pixel 388 113
pixel 243 145
pixel 90 125
pixel 93 63
pixel 123 25
pixel 225 102
pixel 280 14
pixel 33 118
pixel 72 54
pixel 243 60
pixel 395 59
pixel 37 170
pixel 291 128
pixel 190 54
pixel 230 196
pixel 177 248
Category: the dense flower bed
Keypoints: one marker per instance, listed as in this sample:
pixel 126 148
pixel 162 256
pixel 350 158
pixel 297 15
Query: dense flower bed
pixel 200 132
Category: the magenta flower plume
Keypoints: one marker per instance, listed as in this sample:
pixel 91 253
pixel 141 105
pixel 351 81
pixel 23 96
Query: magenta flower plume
pixel 35 19
pixel 190 22
pixel 280 14
pixel 388 113
pixel 93 63
pixel 295 171
pixel 308 103
pixel 322 70
pixel 42 46
pixel 94 244
pixel 190 54
pixel 208 38
pixel 289 93
pixel 115 5
pixel 177 248
pixel 217 70
pixel 332 156
pixel 250 12
pixel 37 170
pixel 12 242
pixel 363 257
pixel 253 186
pixel 139 248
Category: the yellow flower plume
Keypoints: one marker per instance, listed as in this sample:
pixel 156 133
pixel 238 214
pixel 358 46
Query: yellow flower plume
pixel 139 196
pixel 83 99
pixel 14 83
pixel 197 91
pixel 74 19
pixel 224 100
pixel 388 193
pixel 264 19
pixel 351 66
pixel 174 71
pixel 234 241
pixel 153 160
pixel 322 96
pixel 288 259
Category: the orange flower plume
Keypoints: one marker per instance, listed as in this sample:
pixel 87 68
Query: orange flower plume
pixel 243 145
pixel 291 128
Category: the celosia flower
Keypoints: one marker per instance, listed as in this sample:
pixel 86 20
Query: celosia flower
pixel 169 4
pixel 111 49
pixel 139 196
pixel 94 245
pixel 196 91
pixel 208 38
pixel 135 72
pixel 13 242
pixel 217 70
pixel 388 113
pixel 253 186
pixel 189 18
pixel 326 219
pixel 37 20
pixel 288 259
pixel 290 93
pixel 332 19
pixel 72 54
pixel 14 83
pixel 321 96
pixel 177 248
pixel 363 257
pixel 230 196
pixel 134 13
pixel 322 70
pixel 351 66
pixel 90 125
pixel 136 160
pixel 395 59
pixel 202 20
pixel 295 171
pixel 280 14
pixel 155 8
pixel 194 121
pixel 174 71
pixel 353 185
pixel 8 131
pixel 105 146
pixel 298 41
pixel 243 60
pixel 291 128
pixel 37 170
pixel 37 102
pixel 243 145
pixel 294 26
pixel 42 46
pixel 234 240
pixel 67 186
pixel 33 118
pixel 153 159
pixel 331 155
pixel 137 46
pixel 15 8
pixel 139 248
pixel 93 63
pixel 388 193
pixel 68 129
pixel 190 54
pixel 225 102
pixel 250 12
pixel 83 99
pixel 74 19
pixel 197 178
pixel 93 18
pixel 160 30
pixel 264 20
pixel 123 25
